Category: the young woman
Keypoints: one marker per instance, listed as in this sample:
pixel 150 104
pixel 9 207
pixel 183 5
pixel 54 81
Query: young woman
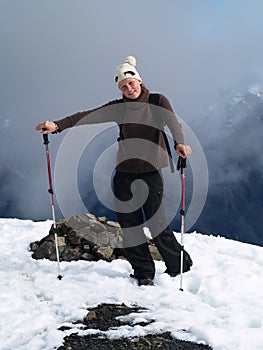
pixel 138 181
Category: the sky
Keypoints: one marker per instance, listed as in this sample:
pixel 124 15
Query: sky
pixel 221 303
pixel 59 57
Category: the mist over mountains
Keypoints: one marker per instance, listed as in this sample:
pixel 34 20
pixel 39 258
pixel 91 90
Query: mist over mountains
pixel 231 136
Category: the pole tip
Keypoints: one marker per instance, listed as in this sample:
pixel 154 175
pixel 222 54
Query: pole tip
pixel 60 277
pixel 181 289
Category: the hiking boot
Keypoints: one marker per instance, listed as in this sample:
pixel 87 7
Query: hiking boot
pixel 172 274
pixel 187 264
pixel 143 281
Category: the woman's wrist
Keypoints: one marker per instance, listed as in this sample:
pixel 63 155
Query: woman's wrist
pixel 56 128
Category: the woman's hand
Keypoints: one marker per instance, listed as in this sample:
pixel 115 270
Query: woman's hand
pixel 183 150
pixel 47 127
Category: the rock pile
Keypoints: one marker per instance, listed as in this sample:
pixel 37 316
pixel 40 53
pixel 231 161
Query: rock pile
pixel 84 237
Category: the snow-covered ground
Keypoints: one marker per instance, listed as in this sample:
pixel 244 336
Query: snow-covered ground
pixel 221 305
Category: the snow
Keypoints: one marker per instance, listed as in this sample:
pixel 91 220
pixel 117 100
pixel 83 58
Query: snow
pixel 221 304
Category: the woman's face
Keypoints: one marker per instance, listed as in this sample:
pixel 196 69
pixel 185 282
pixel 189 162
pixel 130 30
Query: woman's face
pixel 131 88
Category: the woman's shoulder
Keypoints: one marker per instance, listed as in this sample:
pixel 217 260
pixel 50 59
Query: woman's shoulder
pixel 158 96
pixel 160 99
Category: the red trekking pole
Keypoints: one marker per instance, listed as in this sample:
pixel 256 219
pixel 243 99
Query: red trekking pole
pixel 181 164
pixel 51 192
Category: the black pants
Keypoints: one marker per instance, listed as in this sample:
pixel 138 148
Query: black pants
pixel 128 196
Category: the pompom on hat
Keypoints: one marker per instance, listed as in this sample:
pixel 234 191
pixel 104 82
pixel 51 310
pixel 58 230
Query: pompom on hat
pixel 127 70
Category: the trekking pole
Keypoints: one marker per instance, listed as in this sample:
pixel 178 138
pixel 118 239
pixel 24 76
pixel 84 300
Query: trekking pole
pixel 181 164
pixel 51 192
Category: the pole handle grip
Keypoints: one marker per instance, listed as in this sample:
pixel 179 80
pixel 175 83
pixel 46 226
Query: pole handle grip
pixel 45 137
pixel 181 163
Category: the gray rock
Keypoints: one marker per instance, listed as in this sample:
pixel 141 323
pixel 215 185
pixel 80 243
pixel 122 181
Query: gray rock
pixel 84 237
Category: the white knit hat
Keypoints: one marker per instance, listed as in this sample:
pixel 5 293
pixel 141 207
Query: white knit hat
pixel 127 70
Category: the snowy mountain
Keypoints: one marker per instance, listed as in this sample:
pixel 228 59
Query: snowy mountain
pixel 221 304
pixel 232 142
pixel 231 109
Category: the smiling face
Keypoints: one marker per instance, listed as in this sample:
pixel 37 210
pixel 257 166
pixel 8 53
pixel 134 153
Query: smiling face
pixel 131 88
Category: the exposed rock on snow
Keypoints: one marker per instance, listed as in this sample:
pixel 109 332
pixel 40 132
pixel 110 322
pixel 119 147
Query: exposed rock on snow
pixel 84 237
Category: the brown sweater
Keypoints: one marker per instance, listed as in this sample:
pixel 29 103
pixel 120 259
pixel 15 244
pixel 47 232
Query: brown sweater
pixel 141 145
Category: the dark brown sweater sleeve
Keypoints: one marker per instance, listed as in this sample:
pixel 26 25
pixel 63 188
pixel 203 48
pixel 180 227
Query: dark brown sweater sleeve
pixel 171 120
pixel 103 114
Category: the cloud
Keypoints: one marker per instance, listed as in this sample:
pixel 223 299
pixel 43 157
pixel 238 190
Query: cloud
pixel 59 58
